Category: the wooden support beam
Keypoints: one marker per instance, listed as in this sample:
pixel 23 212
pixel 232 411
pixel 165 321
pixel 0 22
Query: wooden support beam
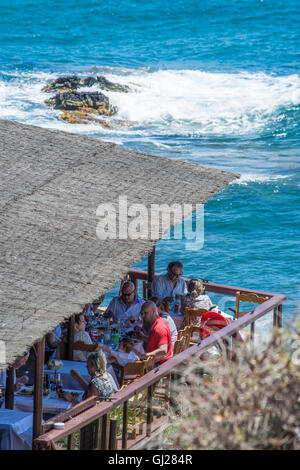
pixel 38 388
pixel 151 265
pixel 70 338
pixel 10 388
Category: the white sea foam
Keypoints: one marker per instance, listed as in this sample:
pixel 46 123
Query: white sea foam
pixel 256 178
pixel 166 102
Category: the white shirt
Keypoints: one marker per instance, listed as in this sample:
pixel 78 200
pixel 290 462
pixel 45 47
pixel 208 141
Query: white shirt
pixel 162 287
pixel 124 358
pixel 121 311
pixel 172 327
pixel 85 338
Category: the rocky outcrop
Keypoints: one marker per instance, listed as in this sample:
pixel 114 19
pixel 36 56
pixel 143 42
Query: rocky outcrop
pixel 80 107
pixel 72 83
pixel 85 101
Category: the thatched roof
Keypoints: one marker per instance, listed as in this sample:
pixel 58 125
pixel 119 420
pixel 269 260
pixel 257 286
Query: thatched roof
pixel 52 262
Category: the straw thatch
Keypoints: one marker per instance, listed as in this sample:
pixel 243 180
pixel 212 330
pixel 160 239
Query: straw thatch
pixel 52 262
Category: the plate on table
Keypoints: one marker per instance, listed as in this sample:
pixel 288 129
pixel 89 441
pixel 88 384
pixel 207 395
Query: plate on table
pixel 54 364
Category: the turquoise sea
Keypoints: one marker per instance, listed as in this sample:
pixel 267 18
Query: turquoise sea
pixel 214 82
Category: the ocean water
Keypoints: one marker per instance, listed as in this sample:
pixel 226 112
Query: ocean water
pixel 213 82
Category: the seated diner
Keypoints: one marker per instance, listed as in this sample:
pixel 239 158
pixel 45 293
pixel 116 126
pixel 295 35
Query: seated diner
pixel 163 309
pixel 170 285
pixel 196 298
pixel 83 345
pixel 159 343
pixel 101 384
pixel 125 354
pixel 125 307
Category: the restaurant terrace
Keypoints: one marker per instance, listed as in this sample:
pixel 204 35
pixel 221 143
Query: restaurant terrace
pixel 53 263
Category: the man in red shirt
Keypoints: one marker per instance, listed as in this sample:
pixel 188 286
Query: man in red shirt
pixel 159 342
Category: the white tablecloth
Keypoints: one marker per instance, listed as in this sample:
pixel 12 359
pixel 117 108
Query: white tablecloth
pixel 15 430
pixel 67 380
pixel 50 405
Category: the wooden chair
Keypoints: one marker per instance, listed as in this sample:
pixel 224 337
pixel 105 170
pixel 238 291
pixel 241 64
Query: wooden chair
pixel 246 297
pixel 195 334
pixel 179 346
pixel 149 364
pixel 146 289
pixel 187 338
pixel 191 313
pixel 129 373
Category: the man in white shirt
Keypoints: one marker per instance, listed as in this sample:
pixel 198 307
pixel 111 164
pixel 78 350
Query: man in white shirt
pixel 125 306
pixel 168 286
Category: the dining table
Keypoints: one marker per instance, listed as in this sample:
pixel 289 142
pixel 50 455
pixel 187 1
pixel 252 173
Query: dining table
pixel 52 405
pixel 68 382
pixel 15 430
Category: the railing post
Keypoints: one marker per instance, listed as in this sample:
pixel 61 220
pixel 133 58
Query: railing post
pixel 105 432
pixel 113 435
pixel 149 410
pixel 124 427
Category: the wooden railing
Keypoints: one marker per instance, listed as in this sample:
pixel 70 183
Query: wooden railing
pixel 94 416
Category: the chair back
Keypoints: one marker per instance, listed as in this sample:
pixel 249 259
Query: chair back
pixel 192 313
pixel 247 297
pixel 149 364
pixel 185 331
pixel 179 345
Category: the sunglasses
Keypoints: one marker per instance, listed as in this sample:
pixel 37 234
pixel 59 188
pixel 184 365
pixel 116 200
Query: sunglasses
pixel 175 275
pixel 127 295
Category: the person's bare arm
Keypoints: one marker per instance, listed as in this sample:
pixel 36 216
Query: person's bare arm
pixel 76 375
pixel 92 391
pixel 81 346
pixel 159 353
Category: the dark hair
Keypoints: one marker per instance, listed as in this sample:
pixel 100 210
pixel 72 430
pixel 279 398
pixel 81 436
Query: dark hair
pixel 128 344
pixel 159 302
pixel 175 264
pixel 77 317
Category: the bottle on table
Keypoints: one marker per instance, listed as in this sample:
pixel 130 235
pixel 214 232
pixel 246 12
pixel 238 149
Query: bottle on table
pixel 177 304
pixel 58 384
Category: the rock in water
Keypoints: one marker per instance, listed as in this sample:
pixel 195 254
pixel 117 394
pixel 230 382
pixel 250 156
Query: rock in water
pixel 109 86
pixel 72 83
pixel 84 101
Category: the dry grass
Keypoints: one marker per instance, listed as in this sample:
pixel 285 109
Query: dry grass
pixel 253 403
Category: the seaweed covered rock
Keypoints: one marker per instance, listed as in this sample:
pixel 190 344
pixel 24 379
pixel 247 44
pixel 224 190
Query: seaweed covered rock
pixel 72 83
pixel 85 101
pixel 82 107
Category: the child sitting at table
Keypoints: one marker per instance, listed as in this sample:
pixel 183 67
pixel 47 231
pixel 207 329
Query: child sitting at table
pixel 126 353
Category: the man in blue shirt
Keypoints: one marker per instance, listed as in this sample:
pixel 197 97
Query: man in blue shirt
pixel 126 306
pixel 170 285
